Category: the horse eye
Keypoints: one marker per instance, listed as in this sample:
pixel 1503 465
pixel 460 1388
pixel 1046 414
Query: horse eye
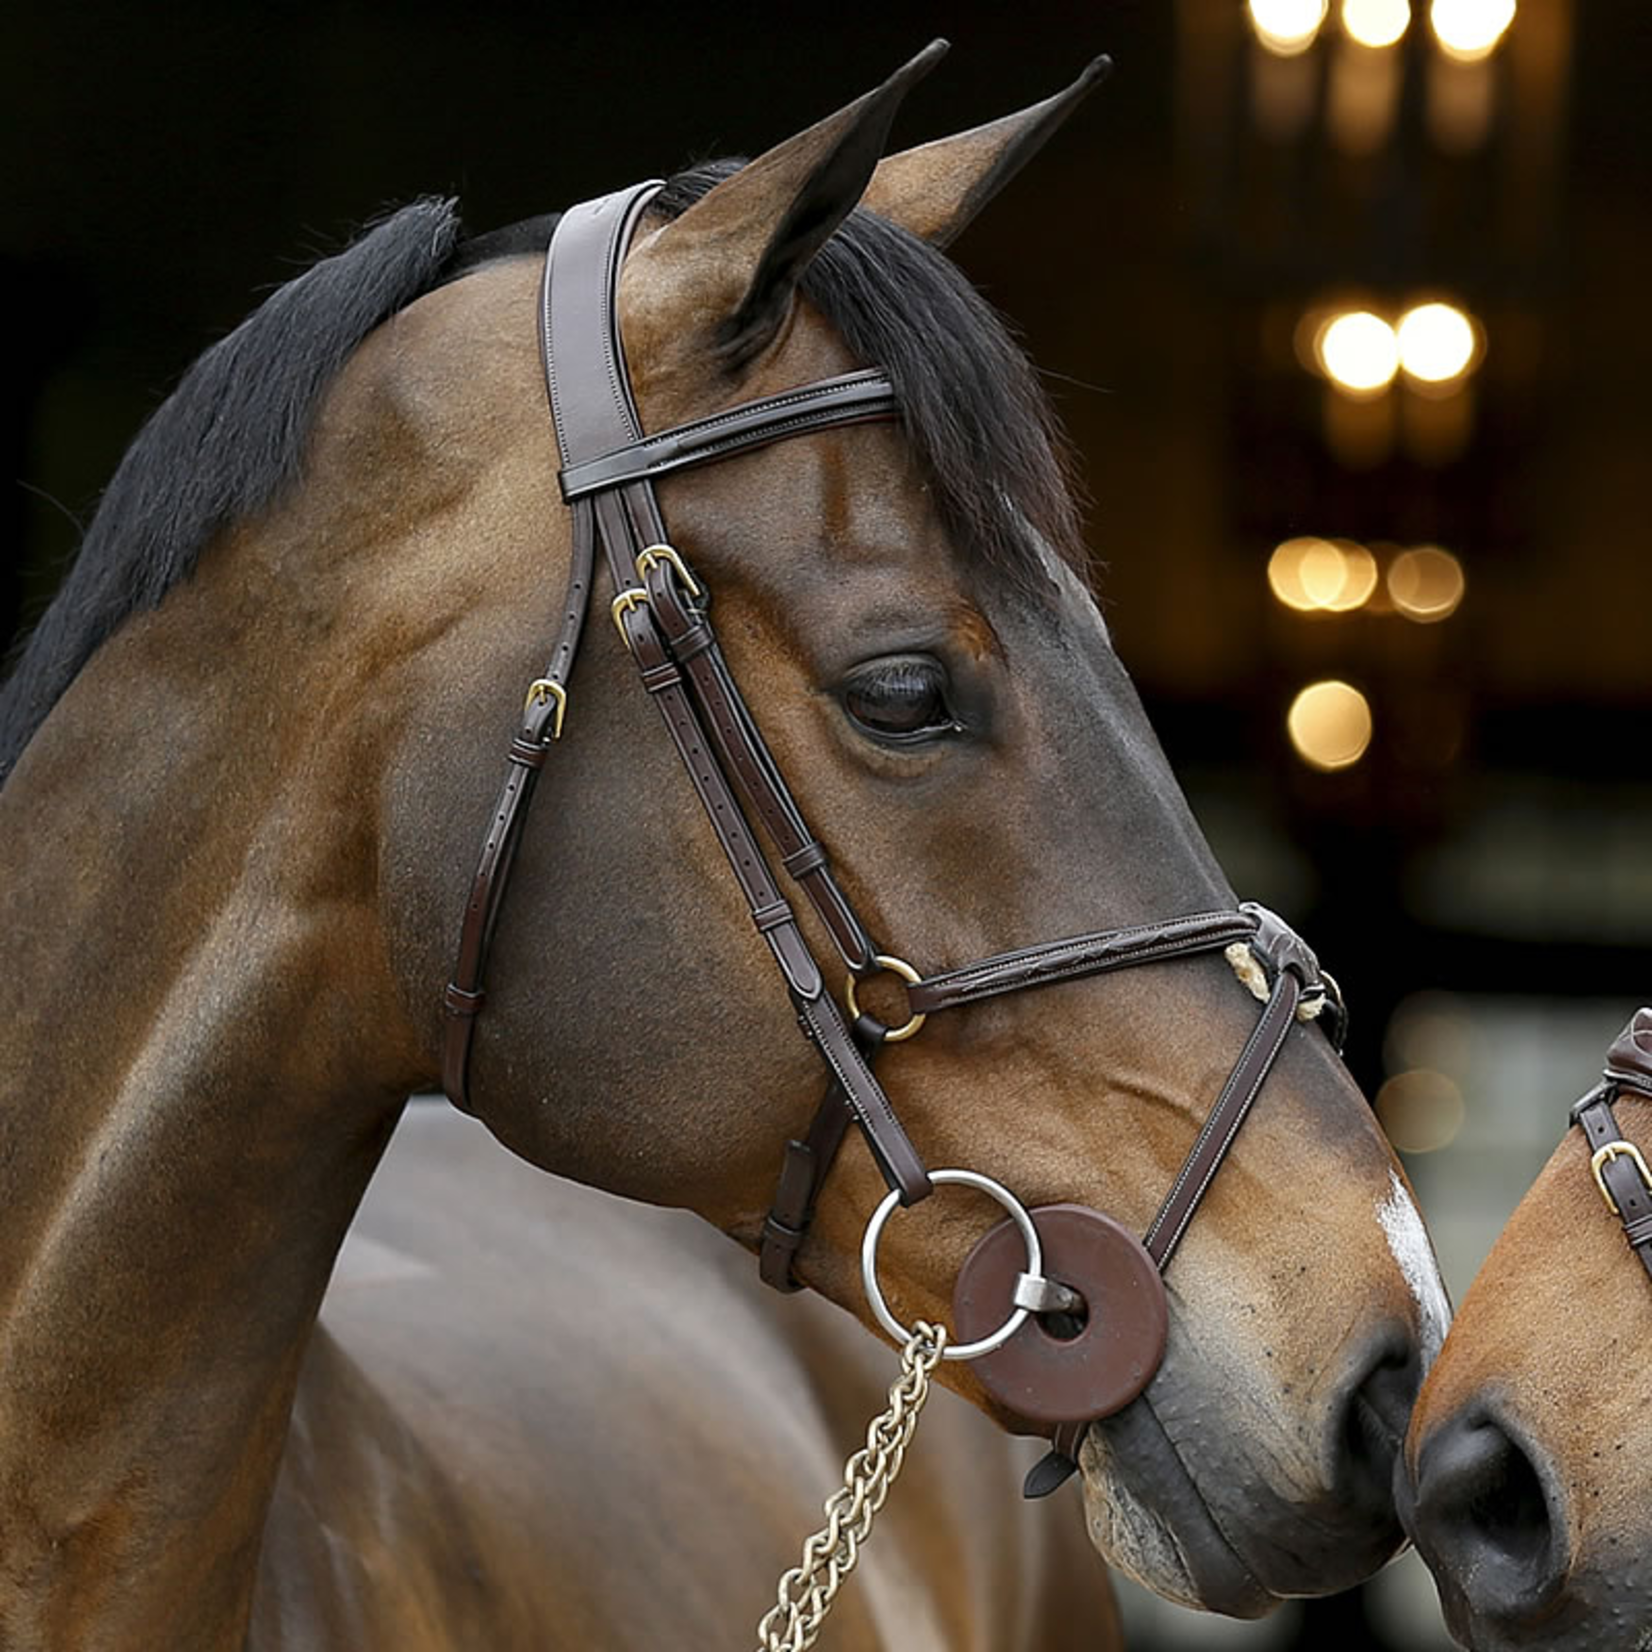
pixel 903 699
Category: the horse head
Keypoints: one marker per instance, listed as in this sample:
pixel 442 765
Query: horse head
pixel 1523 1484
pixel 904 606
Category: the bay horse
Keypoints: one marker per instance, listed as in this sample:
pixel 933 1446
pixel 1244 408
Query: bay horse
pixel 1526 1481
pixel 251 748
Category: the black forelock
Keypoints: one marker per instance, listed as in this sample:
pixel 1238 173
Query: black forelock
pixel 980 425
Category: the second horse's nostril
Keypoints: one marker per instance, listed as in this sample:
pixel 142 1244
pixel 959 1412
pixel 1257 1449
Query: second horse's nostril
pixel 1483 1509
pixel 1510 1515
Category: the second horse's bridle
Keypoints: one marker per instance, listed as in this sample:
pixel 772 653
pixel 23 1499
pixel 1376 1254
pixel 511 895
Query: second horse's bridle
pixel 608 467
pixel 1619 1170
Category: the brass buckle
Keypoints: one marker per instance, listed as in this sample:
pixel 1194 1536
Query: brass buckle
pixel 1604 1156
pixel 655 555
pixel 542 689
pixel 895 966
pixel 622 605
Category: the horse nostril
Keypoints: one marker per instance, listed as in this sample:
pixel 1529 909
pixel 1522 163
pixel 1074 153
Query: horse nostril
pixel 1484 1515
pixel 1372 1421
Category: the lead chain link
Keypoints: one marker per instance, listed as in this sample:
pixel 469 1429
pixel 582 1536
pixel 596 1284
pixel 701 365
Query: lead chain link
pixel 808 1589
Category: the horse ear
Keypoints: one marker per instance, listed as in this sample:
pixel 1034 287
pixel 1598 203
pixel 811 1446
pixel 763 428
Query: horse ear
pixel 746 243
pixel 936 189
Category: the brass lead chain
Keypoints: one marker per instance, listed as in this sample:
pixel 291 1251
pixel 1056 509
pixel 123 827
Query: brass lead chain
pixel 808 1589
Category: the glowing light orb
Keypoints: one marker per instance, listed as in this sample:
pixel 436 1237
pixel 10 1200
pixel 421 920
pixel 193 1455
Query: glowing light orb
pixel 1426 583
pixel 1436 343
pixel 1330 725
pixel 1469 30
pixel 1286 27
pixel 1358 352
pixel 1420 1110
pixel 1375 23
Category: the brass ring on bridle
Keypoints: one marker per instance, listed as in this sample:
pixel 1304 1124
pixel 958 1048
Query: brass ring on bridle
pixel 895 966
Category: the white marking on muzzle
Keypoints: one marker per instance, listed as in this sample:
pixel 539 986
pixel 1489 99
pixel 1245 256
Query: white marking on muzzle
pixel 1408 1240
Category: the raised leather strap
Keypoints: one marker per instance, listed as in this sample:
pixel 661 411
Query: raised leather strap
pixel 850 398
pixel 544 706
pixel 594 415
pixel 802 1173
pixel 1080 955
pixel 746 758
pixel 1222 1126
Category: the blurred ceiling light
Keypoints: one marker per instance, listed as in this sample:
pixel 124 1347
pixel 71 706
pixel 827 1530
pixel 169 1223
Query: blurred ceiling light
pixel 1421 1110
pixel 1358 577
pixel 1437 343
pixel 1286 27
pixel 1285 573
pixel 1375 23
pixel 1330 725
pixel 1322 575
pixel 1358 352
pixel 1469 30
pixel 1426 583
pixel 1430 1029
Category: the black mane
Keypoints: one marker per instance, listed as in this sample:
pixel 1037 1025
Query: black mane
pixel 231 438
pixel 221 447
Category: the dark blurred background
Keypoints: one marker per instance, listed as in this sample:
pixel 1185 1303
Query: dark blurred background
pixel 1349 326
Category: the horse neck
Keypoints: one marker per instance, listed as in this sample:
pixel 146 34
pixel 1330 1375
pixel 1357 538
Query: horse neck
pixel 203 1058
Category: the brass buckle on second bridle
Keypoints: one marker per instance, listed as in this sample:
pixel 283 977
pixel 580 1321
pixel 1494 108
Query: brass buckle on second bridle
pixel 1603 1156
pixel 895 966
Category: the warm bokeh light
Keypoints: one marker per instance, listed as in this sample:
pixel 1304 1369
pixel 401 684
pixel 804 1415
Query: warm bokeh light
pixel 1469 30
pixel 1421 1110
pixel 1322 575
pixel 1285 573
pixel 1330 725
pixel 1286 27
pixel 1375 23
pixel 1358 577
pixel 1358 352
pixel 1429 1029
pixel 1436 343
pixel 1426 584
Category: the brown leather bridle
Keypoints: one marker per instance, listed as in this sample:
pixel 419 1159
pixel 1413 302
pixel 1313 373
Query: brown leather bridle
pixel 1620 1172
pixel 609 467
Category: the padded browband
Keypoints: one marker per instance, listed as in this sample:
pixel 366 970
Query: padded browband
pixel 849 399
